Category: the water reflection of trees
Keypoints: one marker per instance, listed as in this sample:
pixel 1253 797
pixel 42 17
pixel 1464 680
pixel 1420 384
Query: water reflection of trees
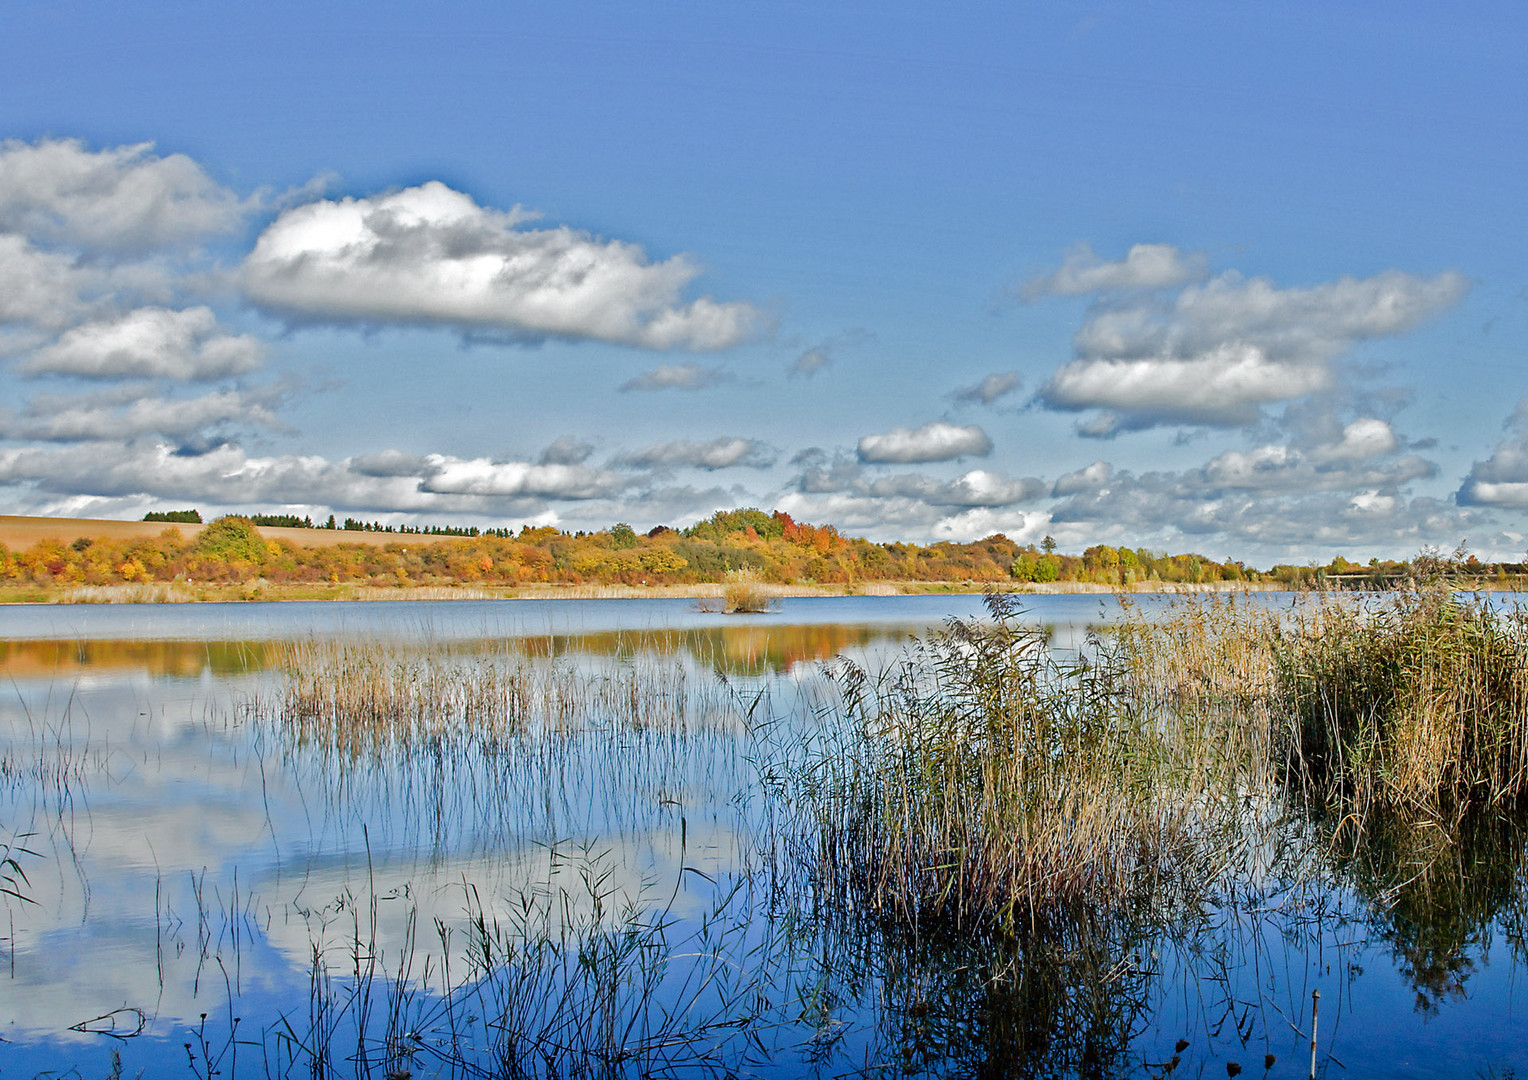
pixel 1436 892
pixel 176 659
pixel 741 649
pixel 744 649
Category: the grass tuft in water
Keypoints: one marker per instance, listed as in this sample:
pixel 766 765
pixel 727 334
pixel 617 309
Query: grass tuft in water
pixel 1417 707
pixel 988 782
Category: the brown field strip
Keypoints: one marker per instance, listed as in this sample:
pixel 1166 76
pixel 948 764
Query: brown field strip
pixel 18 533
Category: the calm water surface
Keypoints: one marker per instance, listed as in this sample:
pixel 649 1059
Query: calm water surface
pixel 201 885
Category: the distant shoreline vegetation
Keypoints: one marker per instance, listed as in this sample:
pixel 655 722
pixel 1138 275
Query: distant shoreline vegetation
pixel 771 548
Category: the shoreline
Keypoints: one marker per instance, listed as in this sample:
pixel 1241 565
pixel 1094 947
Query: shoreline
pixel 267 592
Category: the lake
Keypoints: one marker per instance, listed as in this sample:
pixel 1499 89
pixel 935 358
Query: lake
pixel 565 849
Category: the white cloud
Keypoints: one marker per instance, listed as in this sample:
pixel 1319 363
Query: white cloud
pixel 994 386
pixel 1145 266
pixel 150 342
pixel 38 288
pixel 481 476
pixel 431 255
pixel 1090 478
pixel 1277 467
pixel 913 519
pixel 1220 351
pixel 1223 387
pixel 976 487
pixel 226 475
pixel 1507 494
pixel 723 453
pixel 1502 479
pixel 1346 491
pixel 1158 510
pixel 121 199
pixel 132 411
pixel 49 291
pixel 938 440
pixel 1365 438
pixel 677 377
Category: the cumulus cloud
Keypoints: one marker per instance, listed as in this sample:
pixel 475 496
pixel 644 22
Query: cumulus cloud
pixel 677 377
pixel 976 487
pixel 1502 479
pixel 1333 485
pixel 1218 352
pixel 1090 478
pixel 913 519
pixel 1276 467
pixel 1145 266
pixel 38 288
pixel 150 342
pixel 1160 509
pixel 723 453
pixel 388 463
pixel 430 255
pixel 997 385
pixel 122 199
pixel 49 291
pixel 938 440
pixel 133 411
pixel 226 475
pixel 1365 438
pixel 482 476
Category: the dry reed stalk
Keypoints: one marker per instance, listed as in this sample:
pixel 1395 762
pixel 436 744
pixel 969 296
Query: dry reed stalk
pixel 987 781
pixel 1416 705
pixel 139 593
pixel 365 692
pixel 744 592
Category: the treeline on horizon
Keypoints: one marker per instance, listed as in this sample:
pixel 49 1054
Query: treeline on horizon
pixel 772 547
pixel 292 521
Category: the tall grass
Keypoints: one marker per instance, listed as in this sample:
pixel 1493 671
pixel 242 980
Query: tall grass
pixel 369 690
pixel 1001 834
pixel 987 781
pixel 1416 706
pixel 744 593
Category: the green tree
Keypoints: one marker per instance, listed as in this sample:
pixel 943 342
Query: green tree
pixel 623 535
pixel 232 539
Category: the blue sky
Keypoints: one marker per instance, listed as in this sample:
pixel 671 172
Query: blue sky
pixel 1241 279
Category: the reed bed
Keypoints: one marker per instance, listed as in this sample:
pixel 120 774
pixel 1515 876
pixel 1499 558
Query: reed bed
pixel 986 822
pixel 1417 706
pixel 162 592
pixel 987 781
pixel 355 692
